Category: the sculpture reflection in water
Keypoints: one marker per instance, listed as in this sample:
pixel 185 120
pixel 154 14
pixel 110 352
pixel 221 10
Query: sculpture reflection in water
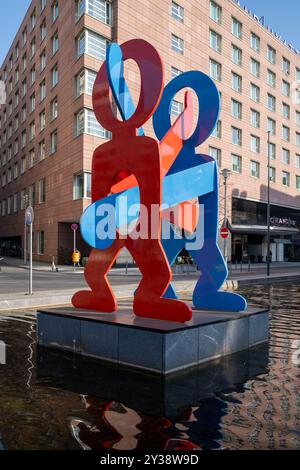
pixel 146 174
pixel 186 411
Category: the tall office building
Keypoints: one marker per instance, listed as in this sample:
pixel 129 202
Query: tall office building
pixel 48 130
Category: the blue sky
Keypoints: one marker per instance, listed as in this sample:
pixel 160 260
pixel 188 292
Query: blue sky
pixel 281 15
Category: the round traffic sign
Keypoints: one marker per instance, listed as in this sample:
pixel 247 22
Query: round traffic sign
pixel 224 232
pixel 29 215
pixel 74 227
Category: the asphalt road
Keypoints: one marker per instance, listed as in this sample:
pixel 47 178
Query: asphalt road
pixel 14 279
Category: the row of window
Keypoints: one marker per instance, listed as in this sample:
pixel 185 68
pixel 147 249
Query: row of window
pixel 19 167
pixel 98 9
pixel 236 167
pixel 13 150
pixel 85 123
pixel 255 41
pixel 215 70
pixel 19 201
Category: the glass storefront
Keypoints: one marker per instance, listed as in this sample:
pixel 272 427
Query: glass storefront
pixel 249 232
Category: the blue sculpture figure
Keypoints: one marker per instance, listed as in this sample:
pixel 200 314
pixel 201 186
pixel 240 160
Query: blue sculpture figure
pixel 209 258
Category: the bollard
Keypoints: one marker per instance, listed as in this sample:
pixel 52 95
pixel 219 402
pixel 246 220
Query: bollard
pixel 249 265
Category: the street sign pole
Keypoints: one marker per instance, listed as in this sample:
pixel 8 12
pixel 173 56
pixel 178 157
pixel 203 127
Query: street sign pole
pixel 29 221
pixel 30 261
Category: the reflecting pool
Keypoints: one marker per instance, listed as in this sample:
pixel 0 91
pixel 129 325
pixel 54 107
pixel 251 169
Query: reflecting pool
pixel 50 400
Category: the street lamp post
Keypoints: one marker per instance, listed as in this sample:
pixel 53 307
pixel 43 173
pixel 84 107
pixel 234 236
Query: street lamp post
pixel 268 211
pixel 225 173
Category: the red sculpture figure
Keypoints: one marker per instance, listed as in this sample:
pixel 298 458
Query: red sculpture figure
pixel 124 155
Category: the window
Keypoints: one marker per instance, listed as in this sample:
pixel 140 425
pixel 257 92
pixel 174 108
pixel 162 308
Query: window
pixel 55 43
pixel 286 66
pixel 272 151
pixel 85 81
pixel 82 186
pixel 9 205
pixel 43 4
pixel 32 48
pixel 236 55
pixel 285 88
pixel 286 111
pixel 254 93
pixel 31 195
pixel 9 175
pixel 53 142
pixel 176 108
pixel 255 118
pixel 43 90
pixel 215 70
pixel 41 243
pixel 177 44
pixel 43 60
pixel 92 44
pixel 16 170
pixel 236 136
pixel 99 9
pixel 24 88
pixel 255 42
pixel 215 12
pixel 54 109
pixel 286 133
pixel 86 122
pixel 32 76
pixel 42 150
pixel 31 158
pixel 298 139
pixel 297 116
pixel 236 163
pixel 23 139
pixel 15 204
pixel 17 75
pixel 24 114
pixel 272 174
pixel 236 28
pixel 285 178
pixel 24 37
pixel 286 156
pixel 254 169
pixel 42 120
pixel 177 11
pixel 271 55
pixel 54 11
pixel 271 79
pixel 297 182
pixel 31 130
pixel 217 132
pixel 271 102
pixel 236 109
pixel 297 161
pixel 216 154
pixel 215 41
pixel 271 126
pixel 175 72
pixel 54 76
pixel 17 51
pixel 255 144
pixel 22 199
pixel 255 68
pixel 32 20
pixel 24 63
pixel 43 30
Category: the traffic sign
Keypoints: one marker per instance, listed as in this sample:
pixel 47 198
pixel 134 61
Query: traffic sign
pixel 29 215
pixel 224 232
pixel 74 227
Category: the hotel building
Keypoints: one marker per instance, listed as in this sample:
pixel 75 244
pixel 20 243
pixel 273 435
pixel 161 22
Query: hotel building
pixel 48 130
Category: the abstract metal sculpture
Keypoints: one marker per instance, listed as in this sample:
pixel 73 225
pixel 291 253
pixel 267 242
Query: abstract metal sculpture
pixel 145 173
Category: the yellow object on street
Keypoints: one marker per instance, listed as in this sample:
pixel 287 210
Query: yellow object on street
pixel 76 257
